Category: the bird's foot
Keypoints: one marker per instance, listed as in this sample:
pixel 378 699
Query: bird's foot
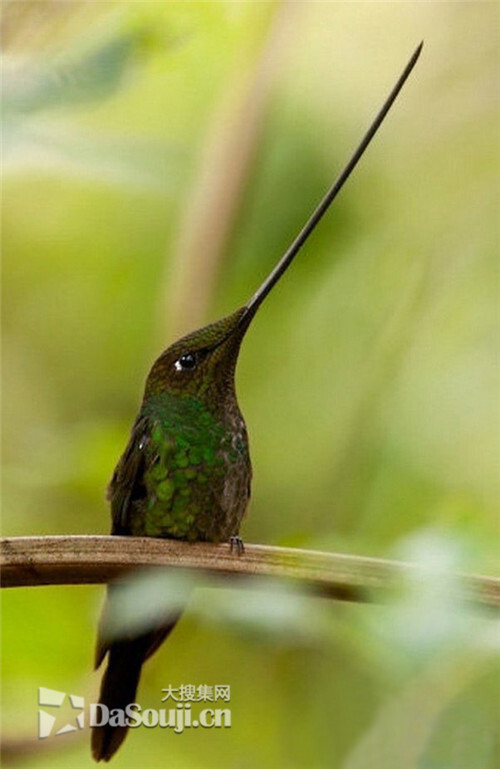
pixel 236 544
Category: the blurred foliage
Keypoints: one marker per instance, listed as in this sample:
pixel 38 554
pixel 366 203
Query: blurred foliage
pixel 368 380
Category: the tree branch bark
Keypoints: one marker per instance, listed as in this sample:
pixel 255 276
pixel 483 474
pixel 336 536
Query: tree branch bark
pixel 70 560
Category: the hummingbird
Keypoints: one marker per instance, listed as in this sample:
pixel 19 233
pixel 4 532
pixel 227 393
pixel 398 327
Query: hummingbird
pixel 185 472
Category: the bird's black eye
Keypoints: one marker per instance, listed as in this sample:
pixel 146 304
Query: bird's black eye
pixel 186 362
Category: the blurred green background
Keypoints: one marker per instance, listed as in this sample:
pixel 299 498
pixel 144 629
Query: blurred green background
pixel 158 159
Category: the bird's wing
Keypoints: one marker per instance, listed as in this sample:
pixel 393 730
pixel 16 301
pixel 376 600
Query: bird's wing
pixel 127 483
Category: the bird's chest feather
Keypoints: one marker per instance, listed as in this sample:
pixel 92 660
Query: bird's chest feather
pixel 197 476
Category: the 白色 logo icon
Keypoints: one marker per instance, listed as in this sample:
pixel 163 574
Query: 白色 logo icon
pixel 54 699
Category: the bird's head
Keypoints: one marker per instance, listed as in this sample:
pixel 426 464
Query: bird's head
pixel 201 364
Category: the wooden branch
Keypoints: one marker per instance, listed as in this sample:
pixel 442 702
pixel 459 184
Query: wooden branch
pixel 63 560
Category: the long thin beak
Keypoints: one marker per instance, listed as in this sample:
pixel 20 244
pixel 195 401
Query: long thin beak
pixel 261 293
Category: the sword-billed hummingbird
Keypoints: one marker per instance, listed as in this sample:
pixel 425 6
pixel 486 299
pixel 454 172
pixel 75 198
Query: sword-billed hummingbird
pixel 186 472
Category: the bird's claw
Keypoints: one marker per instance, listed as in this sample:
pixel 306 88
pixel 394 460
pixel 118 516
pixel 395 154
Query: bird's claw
pixel 236 543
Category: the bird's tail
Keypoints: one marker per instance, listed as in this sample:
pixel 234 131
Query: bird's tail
pixel 121 678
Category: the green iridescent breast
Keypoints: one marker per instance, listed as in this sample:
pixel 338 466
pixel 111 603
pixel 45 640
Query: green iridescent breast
pixel 192 461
